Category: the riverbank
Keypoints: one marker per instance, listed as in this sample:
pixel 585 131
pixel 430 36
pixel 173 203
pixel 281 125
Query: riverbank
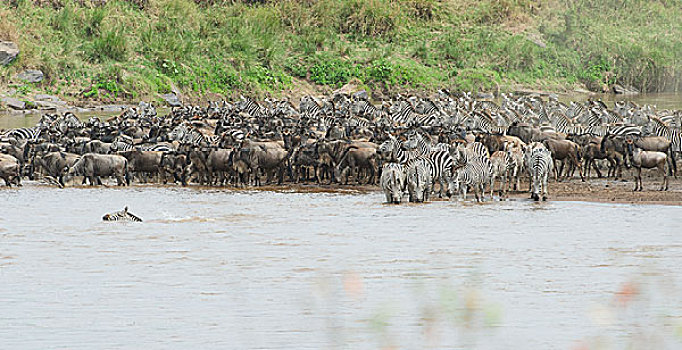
pixel 171 51
pixel 574 190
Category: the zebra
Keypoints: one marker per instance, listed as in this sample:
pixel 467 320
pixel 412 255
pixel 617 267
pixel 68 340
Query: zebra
pixel 471 174
pixel 251 108
pixel 626 130
pixel 419 181
pixel 476 153
pixel 122 215
pixel 30 134
pixel 428 119
pixel 503 165
pixel 540 165
pixel 310 107
pixel 393 182
pixel 365 109
pixel 187 135
pixel 392 151
pixel 156 148
pixel 120 146
pixel 404 115
pixel 658 128
pixel 487 124
pixel 440 165
pixel 417 142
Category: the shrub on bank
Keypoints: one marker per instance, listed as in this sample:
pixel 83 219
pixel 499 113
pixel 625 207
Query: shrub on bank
pixel 262 46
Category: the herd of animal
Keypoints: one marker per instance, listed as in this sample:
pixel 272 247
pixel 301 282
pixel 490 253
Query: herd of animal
pixel 415 147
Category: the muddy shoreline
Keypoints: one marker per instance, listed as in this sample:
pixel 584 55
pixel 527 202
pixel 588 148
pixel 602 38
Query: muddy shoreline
pixel 598 190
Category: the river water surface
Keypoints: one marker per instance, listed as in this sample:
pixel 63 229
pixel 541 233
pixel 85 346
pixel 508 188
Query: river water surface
pixel 221 269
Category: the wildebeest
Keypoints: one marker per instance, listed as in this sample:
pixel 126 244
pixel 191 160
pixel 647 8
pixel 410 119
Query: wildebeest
pixel 142 163
pixel 647 159
pixel 528 133
pixel 10 170
pixel 93 165
pixel 354 160
pixel 218 165
pixel 566 151
pixel 173 164
pixel 55 164
pixel 600 148
pixel 264 156
pixel 97 146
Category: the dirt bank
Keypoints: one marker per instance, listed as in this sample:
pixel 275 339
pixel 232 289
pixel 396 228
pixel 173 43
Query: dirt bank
pixel 594 190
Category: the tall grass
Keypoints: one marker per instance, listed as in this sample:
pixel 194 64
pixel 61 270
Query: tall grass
pixel 144 47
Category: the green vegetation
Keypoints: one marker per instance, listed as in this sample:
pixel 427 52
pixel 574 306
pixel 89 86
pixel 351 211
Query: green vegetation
pixel 138 48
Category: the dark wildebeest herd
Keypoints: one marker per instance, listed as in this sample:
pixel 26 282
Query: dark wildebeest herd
pixel 446 144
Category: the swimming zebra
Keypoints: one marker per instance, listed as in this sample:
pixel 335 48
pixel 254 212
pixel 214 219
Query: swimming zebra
pixel 122 215
pixel 540 166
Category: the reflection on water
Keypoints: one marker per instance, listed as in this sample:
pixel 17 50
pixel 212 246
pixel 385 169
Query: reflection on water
pixel 252 270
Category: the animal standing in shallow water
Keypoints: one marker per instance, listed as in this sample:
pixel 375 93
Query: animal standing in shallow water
pixel 122 215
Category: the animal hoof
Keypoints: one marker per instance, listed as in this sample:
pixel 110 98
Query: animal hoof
pixel 544 198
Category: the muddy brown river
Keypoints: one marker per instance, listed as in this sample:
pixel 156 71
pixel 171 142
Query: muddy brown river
pixel 222 269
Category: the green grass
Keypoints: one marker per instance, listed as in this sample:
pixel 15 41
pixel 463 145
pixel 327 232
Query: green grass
pixel 137 49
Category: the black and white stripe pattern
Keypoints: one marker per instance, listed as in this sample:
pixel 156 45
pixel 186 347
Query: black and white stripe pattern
pixel 472 174
pixel 187 135
pixel 365 109
pixel 122 215
pixel 393 151
pixel 30 134
pixel 440 165
pixel 404 116
pixel 156 148
pixel 659 128
pixel 252 108
pixel 540 166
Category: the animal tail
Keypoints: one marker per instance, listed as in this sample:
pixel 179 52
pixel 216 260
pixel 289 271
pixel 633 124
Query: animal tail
pixel 127 173
pixel 673 170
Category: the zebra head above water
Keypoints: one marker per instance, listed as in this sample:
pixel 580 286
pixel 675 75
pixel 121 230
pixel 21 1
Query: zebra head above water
pixel 122 215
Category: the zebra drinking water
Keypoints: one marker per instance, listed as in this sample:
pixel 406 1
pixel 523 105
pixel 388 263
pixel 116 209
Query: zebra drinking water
pixel 393 182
